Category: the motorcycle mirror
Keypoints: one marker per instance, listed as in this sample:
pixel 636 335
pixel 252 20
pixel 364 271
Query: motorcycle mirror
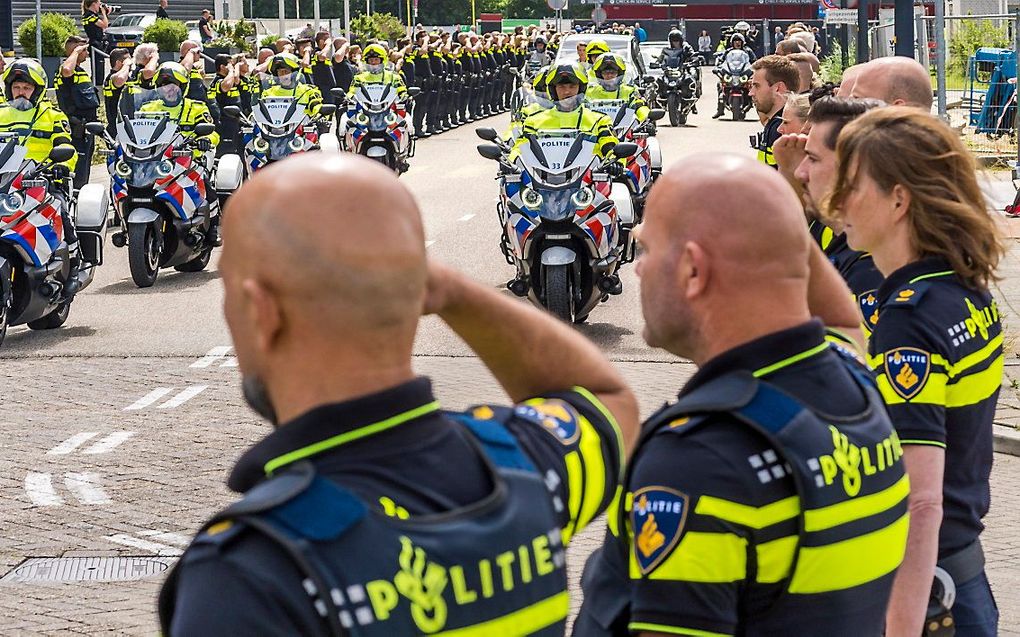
pixel 338 93
pixel 326 110
pixel 516 72
pixel 64 152
pixel 655 65
pixel 491 151
pixel 488 134
pixel 625 149
pixel 232 111
pixel 205 128
pixel 656 114
pixel 413 91
pixel 95 128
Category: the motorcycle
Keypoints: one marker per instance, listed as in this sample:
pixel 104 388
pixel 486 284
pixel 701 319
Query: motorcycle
pixel 679 88
pixel 159 182
pixel 561 218
pixel 378 125
pixel 34 259
pixel 279 127
pixel 734 72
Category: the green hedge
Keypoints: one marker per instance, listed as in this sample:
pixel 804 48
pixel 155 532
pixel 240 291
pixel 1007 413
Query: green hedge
pixel 166 34
pixel 56 27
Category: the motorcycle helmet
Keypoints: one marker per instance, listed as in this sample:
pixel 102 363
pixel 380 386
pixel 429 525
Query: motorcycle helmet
pixel 610 62
pixel 742 27
pixel 25 70
pixel 540 40
pixel 596 48
pixel 373 51
pixel 539 81
pixel 288 64
pixel 736 37
pixel 676 35
pixel 170 82
pixel 566 74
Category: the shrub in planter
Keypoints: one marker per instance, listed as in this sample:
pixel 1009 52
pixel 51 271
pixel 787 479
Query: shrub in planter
pixel 167 34
pixel 56 27
pixel 269 41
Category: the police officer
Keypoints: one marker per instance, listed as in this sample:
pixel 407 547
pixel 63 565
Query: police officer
pixel 369 510
pixel 773 78
pixel 113 86
pixel 225 90
pixel 95 18
pixel 771 497
pixel 322 65
pixel 678 53
pixel 376 72
pixel 194 63
pixel 79 100
pixel 424 81
pixel 937 348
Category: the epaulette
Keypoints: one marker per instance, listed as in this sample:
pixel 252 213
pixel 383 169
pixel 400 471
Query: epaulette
pixel 907 296
pixel 725 394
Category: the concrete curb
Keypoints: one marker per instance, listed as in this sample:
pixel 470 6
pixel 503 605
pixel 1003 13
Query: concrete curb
pixel 1006 439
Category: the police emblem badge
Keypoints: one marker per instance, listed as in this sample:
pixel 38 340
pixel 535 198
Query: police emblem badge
pixel 555 416
pixel 907 369
pixel 657 520
pixel 868 303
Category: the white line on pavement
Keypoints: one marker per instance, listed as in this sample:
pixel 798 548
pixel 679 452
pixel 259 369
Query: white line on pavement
pixel 183 397
pixel 428 244
pixel 230 362
pixel 72 443
pixel 110 442
pixel 83 488
pixel 39 487
pixel 149 398
pixel 145 545
pixel 166 536
pixel 467 217
pixel 214 355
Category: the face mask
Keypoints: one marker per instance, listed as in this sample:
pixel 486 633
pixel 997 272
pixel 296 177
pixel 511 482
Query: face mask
pixel 21 103
pixel 286 80
pixel 170 94
pixel 257 397
pixel 374 68
pixel 610 85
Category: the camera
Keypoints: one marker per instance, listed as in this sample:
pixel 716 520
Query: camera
pixel 112 9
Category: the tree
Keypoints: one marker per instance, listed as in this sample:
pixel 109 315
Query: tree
pixel 378 26
pixel 56 28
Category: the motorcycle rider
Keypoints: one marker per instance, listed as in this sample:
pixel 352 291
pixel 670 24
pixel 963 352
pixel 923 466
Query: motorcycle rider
pixel 539 56
pixel 678 53
pixel 592 51
pixel 40 127
pixel 286 70
pixel 375 72
pixel 609 69
pixel 737 42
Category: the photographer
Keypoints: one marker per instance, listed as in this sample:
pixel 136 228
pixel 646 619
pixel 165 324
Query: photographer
pixel 95 18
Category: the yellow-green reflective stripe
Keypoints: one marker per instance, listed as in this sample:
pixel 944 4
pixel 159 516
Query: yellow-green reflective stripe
pixel 609 417
pixel 575 482
pixel 529 619
pixel 775 559
pixel 852 562
pixel 970 360
pixel 590 447
pixel 613 512
pixel 931 275
pixel 635 627
pixel 856 509
pixel 749 516
pixel 974 388
pixel 827 236
pixel 340 439
pixel 791 360
pixel 930 443
pixel 933 393
pixel 710 558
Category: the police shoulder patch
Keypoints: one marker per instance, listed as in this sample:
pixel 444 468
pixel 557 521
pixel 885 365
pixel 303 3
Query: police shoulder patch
pixel 868 302
pixel 556 416
pixel 657 520
pixel 907 369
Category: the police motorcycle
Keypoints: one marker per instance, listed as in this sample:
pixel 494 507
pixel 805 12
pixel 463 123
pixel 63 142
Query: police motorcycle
pixel 279 127
pixel 734 72
pixel 678 90
pixel 159 181
pixel 35 265
pixel 566 224
pixel 378 124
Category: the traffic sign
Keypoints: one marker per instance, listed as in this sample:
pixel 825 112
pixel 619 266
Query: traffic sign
pixel 557 5
pixel 598 15
pixel 841 16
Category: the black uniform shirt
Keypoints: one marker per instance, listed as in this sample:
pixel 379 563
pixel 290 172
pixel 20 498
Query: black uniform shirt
pixel 405 457
pixel 857 269
pixel 95 33
pixel 937 355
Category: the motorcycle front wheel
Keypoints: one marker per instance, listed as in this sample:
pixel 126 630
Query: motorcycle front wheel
pixel 673 108
pixel 559 297
pixel 143 254
pixel 54 319
pixel 737 108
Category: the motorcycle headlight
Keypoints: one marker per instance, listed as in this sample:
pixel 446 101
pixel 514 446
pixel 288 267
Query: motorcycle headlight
pixel 583 198
pixel 164 168
pixel 296 144
pixel 122 169
pixel 261 145
pixel 362 119
pixel 531 198
pixel 12 202
pixel 391 118
pixel 727 77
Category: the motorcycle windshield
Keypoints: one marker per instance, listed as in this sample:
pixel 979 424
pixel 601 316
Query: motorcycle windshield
pixel 534 101
pixel 375 98
pixel 145 127
pixel 737 61
pixel 284 81
pixel 555 159
pixel 617 111
pixel 278 116
pixel 12 159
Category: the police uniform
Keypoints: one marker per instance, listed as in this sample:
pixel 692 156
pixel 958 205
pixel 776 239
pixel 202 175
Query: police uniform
pixel 583 119
pixel 188 114
pixel 385 516
pixel 79 100
pixel 97 39
pixel 423 80
pixel 322 77
pixel 937 355
pixel 111 102
pixel 857 269
pixel 196 90
pixel 771 499
pixel 624 92
pixel 766 138
pixel 229 128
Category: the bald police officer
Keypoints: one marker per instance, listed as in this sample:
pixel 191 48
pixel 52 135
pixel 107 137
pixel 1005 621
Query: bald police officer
pixel 368 509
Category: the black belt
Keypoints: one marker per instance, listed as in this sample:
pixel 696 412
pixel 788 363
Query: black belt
pixel 965 564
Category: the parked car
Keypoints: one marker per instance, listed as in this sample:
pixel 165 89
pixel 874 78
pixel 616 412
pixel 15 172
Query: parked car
pixel 125 30
pixel 624 45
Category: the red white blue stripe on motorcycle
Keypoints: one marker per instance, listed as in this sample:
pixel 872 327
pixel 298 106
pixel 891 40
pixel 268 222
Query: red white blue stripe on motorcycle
pixel 37 235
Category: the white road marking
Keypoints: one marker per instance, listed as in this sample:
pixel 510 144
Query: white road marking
pixel 72 443
pixel 166 536
pixel 428 244
pixel 83 487
pixel 39 487
pixel 109 443
pixel 467 217
pixel 183 397
pixel 230 362
pixel 214 355
pixel 145 545
pixel 149 398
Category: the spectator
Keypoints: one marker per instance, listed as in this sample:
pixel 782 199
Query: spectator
pixel 897 81
pixel 161 13
pixel 779 36
pixel 639 33
pixel 774 79
pixel 204 30
pixel 705 46
pixel 807 65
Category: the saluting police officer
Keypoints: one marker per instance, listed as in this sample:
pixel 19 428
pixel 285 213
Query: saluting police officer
pixel 771 498
pixel 369 510
pixel 225 90
pixel 78 98
pixel 423 80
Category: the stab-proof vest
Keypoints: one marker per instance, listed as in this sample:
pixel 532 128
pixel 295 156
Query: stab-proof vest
pixel 852 523
pixel 495 567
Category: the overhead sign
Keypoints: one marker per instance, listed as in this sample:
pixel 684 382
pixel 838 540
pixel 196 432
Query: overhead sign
pixel 841 16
